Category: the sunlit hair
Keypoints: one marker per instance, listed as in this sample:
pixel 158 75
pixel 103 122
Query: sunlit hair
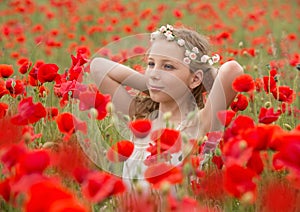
pixel 145 106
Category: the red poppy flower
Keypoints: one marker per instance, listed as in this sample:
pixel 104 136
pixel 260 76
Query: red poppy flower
pixel 243 83
pixel 288 154
pixel 284 94
pixel 25 66
pixel 240 104
pixel 165 140
pixel 3 90
pixel 177 13
pixel 43 91
pixel 34 162
pixel 60 157
pixel 218 161
pixel 52 112
pixel 76 73
pixel 262 137
pixel 12 155
pixel 238 181
pixel 208 185
pixel 269 83
pixel 138 50
pixel 267 115
pixel 240 124
pixel 140 128
pixel 28 112
pixel 58 197
pixel 15 87
pixel 3 109
pixel 120 151
pixel 34 71
pixel 236 151
pixel 91 99
pixel 68 89
pixel 259 84
pixel 255 162
pixel 161 173
pixel 6 70
pixel 100 185
pixel 47 72
pixel 5 189
pixel 28 134
pixel 81 57
pixel 225 117
pixel 249 51
pixel 278 195
pixel 68 124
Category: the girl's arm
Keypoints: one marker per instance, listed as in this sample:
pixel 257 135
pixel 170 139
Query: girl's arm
pixel 109 76
pixel 220 97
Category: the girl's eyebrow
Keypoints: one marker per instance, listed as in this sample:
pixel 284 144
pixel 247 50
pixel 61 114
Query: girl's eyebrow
pixel 165 60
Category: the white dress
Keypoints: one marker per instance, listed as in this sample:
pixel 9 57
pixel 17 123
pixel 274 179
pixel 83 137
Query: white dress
pixel 134 167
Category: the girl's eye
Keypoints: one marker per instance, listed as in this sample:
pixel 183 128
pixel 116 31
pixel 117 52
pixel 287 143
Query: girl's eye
pixel 151 64
pixel 169 67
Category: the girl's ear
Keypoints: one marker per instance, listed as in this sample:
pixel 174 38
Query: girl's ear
pixel 196 79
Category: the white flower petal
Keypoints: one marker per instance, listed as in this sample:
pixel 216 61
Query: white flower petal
pixel 204 58
pixel 162 29
pixel 181 42
pixel 187 53
pixel 196 50
pixel 186 60
pixel 193 56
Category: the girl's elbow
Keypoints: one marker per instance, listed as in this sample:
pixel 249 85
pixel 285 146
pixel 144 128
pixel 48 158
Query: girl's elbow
pixel 96 67
pixel 233 68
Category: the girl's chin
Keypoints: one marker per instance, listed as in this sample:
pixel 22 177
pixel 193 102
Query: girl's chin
pixel 159 97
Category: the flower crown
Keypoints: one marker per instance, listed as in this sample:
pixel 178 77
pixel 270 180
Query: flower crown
pixel 190 54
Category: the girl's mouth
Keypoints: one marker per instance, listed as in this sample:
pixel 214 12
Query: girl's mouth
pixel 155 87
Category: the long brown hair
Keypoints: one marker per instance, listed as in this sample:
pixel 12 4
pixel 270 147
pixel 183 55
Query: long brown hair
pixel 145 106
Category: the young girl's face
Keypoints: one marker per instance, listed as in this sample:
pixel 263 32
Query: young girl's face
pixel 168 78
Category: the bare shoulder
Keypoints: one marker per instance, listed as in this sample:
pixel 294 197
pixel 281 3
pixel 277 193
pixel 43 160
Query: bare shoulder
pixel 231 67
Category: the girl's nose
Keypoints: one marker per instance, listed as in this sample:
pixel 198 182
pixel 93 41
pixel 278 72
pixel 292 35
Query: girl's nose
pixel 154 74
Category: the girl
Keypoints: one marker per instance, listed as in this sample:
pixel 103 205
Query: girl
pixel 179 71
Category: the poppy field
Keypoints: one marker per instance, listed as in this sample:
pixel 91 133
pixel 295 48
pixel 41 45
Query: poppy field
pixel 62 147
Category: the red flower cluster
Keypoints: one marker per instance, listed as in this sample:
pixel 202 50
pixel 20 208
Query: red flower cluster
pixel 94 99
pixel 28 112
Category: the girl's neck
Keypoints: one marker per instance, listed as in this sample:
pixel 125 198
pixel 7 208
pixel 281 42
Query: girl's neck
pixel 178 110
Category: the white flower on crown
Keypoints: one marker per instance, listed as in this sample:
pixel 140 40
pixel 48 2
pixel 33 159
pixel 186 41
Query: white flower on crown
pixel 162 29
pixel 195 49
pixel 168 32
pixel 187 60
pixel 210 62
pixel 187 53
pixel 170 37
pixel 204 58
pixel 181 42
pixel 154 35
pixel 170 27
pixel 215 58
pixel 193 56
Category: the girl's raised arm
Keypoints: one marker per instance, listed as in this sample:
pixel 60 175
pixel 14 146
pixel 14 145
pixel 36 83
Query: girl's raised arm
pixel 110 77
pixel 220 97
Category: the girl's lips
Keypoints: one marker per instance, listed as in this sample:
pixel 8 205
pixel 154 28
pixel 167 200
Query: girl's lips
pixel 155 87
